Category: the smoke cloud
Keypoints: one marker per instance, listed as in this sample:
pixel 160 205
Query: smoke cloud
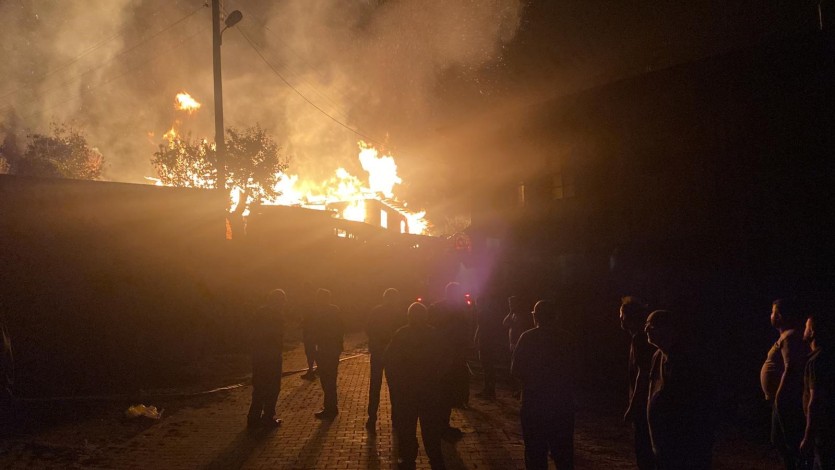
pixel 113 67
pixel 422 78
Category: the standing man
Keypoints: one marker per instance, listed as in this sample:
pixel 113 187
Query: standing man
pixel 450 317
pixel 267 343
pixel 414 368
pixel 518 320
pixel 489 341
pixel 383 321
pixel 819 394
pixel 544 362
pixel 633 318
pixel 328 331
pixel 679 408
pixel 781 378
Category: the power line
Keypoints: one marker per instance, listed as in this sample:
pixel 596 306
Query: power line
pixel 108 61
pixel 306 99
pixel 305 62
pixel 299 78
pixel 113 79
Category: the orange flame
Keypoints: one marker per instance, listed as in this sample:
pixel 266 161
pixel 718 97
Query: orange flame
pixel 170 135
pixel 185 102
pixel 344 188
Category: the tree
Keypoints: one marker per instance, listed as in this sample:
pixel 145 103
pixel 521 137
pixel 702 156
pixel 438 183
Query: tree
pixel 253 167
pixel 253 163
pixel 63 154
pixel 186 164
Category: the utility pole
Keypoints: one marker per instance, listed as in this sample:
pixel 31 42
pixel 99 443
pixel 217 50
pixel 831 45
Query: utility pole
pixel 220 142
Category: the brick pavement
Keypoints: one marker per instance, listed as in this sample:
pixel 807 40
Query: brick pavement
pixel 210 433
pixel 214 436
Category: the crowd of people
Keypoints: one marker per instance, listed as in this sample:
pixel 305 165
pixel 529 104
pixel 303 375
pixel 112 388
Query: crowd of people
pixel 422 351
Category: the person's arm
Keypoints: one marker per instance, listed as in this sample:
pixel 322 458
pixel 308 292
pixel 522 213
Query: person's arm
pixel 508 320
pixel 630 408
pixel 813 417
pixel 520 361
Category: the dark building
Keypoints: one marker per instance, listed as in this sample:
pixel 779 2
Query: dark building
pixel 707 187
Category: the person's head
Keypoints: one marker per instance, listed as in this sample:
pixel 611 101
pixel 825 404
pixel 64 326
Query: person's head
pixel 662 328
pixel 545 313
pixel 785 314
pixel 277 298
pixel 453 293
pixel 417 314
pixel 819 331
pixel 323 296
pixel 633 313
pixel 391 296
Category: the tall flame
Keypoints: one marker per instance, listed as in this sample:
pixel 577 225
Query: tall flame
pixel 185 102
pixel 382 171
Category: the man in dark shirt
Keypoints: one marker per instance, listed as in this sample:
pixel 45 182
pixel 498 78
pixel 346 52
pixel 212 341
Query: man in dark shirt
pixel 544 362
pixel 267 344
pixel 679 409
pixel 383 321
pixel 518 320
pixel 451 317
pixel 328 334
pixel 415 363
pixel 489 340
pixel 819 393
pixel 633 317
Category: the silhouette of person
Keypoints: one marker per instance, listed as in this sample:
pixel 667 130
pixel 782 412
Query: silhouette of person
pixel 328 332
pixel 383 321
pixel 267 333
pixel 781 378
pixel 414 368
pixel 819 393
pixel 307 306
pixel 679 405
pixel 518 320
pixel 633 317
pixel 489 341
pixel 6 367
pixel 450 317
pixel 544 362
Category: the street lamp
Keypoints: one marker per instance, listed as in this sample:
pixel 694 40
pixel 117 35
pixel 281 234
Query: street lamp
pixel 220 144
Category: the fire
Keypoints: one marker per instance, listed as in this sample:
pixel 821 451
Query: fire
pixel 171 134
pixel 382 172
pixel 355 211
pixel 185 102
pixel 349 195
pixel 344 194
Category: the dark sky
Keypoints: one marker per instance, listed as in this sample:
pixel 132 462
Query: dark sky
pixel 402 72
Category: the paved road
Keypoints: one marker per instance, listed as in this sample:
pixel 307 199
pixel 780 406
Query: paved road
pixel 210 433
